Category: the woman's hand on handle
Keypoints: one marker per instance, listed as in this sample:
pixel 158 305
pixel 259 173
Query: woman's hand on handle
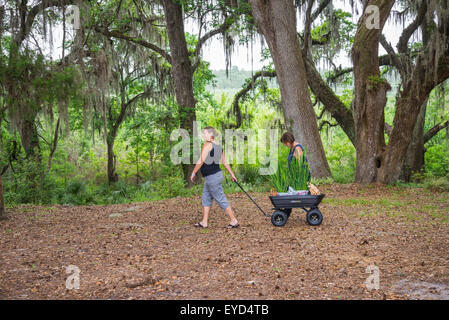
pixel 226 165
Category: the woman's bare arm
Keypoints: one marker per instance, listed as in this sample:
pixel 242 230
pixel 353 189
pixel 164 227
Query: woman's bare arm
pixel 227 166
pixel 297 154
pixel 204 152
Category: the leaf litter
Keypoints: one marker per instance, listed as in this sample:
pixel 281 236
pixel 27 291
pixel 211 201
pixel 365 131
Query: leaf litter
pixel 153 251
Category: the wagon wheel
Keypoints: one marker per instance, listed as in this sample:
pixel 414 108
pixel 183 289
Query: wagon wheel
pixel 314 217
pixel 279 218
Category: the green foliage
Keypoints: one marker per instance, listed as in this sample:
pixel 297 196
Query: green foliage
pixel 294 175
pixel 28 184
pixel 341 158
pixel 335 33
pixel 322 181
pixel 78 173
pixel 279 180
pixel 169 187
pixel 76 193
pixel 436 184
pixel 375 82
pixel 298 173
pixel 437 160
pixel 248 173
pixel 36 82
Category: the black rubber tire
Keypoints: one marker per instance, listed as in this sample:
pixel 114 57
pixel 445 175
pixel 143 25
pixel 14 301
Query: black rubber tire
pixel 279 218
pixel 314 217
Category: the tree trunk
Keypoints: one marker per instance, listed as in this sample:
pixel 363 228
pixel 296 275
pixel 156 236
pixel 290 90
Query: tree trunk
pixel 424 79
pixel 182 73
pixel 414 159
pixel 25 116
pixel 29 138
pixel 276 20
pixel 112 174
pixel 400 139
pixel 370 95
pixel 53 146
pixel 2 202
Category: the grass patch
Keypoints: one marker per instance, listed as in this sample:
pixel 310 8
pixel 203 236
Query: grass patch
pixel 442 216
pixel 352 202
pixel 182 223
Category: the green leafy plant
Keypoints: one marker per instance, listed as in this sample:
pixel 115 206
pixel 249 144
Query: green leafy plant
pixel 295 175
pixel 279 180
pixel 298 173
pixel 436 183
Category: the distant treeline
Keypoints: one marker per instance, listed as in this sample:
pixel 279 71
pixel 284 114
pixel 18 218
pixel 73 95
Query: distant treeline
pixel 235 79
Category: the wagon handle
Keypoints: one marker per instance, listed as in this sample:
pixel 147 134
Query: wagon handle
pixel 266 215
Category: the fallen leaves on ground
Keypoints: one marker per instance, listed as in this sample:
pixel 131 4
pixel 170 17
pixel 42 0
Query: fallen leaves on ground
pixel 153 251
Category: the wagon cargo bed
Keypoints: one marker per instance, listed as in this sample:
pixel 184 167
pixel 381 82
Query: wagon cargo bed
pixel 295 201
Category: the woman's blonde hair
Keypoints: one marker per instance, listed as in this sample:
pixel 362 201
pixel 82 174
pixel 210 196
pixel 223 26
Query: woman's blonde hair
pixel 212 131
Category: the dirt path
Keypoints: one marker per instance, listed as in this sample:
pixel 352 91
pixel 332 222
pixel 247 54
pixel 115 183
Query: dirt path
pixel 151 250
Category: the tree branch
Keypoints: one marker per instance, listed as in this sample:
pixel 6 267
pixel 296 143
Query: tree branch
pixel 55 144
pixel 44 139
pixel 321 7
pixel 432 132
pixel 325 122
pixel 124 108
pixel 407 33
pixel 235 104
pixel 329 99
pixel 118 35
pixel 27 22
pixel 394 58
pixel 308 25
pixel 225 26
pixel 320 116
pixel 384 60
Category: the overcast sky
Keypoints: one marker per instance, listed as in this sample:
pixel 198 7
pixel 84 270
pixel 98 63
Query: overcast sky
pixel 214 52
pixel 248 57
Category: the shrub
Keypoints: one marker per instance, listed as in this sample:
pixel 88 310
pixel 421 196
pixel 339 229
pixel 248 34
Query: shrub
pixel 437 160
pixel 438 184
pixel 170 187
pixel 76 193
pixel 342 161
pixel 28 183
pixel 248 173
pixel 322 181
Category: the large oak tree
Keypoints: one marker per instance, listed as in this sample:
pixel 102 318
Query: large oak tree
pixel 276 20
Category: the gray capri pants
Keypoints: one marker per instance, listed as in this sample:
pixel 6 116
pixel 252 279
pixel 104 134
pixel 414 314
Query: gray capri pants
pixel 214 190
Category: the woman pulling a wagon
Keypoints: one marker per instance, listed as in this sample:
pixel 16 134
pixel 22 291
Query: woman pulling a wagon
pixel 211 155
